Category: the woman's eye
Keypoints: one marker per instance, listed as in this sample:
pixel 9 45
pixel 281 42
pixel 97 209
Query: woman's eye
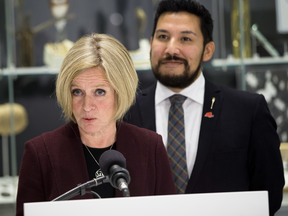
pixel 76 92
pixel 100 92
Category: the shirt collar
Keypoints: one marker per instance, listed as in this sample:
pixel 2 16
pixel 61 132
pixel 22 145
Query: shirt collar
pixel 194 92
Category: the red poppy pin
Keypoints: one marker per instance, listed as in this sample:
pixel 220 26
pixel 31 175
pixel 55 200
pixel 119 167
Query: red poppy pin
pixel 209 115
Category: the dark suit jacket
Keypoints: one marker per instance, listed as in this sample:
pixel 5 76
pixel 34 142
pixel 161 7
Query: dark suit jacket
pixel 54 163
pixel 238 148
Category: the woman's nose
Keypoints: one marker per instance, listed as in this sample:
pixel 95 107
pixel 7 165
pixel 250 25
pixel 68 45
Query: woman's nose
pixel 88 104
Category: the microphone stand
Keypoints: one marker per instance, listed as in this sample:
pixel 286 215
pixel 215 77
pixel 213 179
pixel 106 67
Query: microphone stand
pixel 81 189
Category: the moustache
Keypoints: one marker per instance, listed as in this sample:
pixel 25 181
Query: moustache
pixel 170 58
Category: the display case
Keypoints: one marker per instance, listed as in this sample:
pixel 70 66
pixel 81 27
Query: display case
pixel 251 54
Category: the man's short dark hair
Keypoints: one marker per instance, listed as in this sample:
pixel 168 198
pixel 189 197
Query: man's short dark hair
pixel 190 6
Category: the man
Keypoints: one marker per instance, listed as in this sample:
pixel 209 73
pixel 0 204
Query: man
pixel 230 136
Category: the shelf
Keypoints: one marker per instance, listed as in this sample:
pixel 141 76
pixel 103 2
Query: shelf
pixel 44 70
pixel 29 71
pixel 232 62
pixel 215 63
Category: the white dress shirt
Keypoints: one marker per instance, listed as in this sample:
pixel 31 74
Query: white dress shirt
pixel 192 107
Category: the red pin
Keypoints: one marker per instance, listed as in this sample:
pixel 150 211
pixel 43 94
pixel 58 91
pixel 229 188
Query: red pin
pixel 209 115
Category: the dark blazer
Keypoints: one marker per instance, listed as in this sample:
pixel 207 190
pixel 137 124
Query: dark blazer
pixel 238 147
pixel 54 163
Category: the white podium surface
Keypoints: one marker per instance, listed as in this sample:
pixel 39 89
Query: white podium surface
pixel 216 204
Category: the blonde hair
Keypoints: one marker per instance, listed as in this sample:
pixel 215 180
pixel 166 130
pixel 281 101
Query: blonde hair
pixel 98 50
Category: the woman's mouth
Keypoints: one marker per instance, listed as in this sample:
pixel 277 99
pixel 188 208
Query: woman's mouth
pixel 89 119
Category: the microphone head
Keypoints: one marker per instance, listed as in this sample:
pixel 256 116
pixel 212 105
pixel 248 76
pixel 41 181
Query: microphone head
pixel 109 158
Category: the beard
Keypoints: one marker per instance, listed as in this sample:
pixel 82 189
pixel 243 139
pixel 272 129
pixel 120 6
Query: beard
pixel 177 81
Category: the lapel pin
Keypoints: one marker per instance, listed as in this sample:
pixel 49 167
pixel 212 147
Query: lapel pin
pixel 213 100
pixel 209 115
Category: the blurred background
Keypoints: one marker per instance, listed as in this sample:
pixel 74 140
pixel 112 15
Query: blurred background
pixel 251 54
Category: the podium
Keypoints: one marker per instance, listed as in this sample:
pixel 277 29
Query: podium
pixel 217 204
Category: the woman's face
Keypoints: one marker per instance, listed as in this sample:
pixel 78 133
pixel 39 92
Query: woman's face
pixel 93 101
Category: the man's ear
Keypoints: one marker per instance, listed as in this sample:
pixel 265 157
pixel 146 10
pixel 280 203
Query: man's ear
pixel 208 51
pixel 151 39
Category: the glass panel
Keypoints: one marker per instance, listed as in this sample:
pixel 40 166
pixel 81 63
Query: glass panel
pixel 241 58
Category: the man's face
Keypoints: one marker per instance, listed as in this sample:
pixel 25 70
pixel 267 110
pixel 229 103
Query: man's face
pixel 177 50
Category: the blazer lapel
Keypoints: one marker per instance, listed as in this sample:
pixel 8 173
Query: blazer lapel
pixel 208 123
pixel 72 163
pixel 146 102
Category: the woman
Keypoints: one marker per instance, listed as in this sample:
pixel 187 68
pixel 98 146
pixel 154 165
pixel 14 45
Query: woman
pixel 95 87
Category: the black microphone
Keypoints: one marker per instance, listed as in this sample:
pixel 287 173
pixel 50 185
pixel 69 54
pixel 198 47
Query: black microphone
pixel 113 163
pixel 81 188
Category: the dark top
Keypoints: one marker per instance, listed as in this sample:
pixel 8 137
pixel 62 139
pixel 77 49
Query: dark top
pixel 238 148
pixel 104 190
pixel 54 163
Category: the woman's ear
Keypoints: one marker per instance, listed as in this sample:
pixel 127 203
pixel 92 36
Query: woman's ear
pixel 208 51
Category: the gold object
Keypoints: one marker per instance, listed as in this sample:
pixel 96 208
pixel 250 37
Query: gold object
pixel 54 53
pixel 141 57
pixel 235 28
pixel 284 151
pixel 20 118
pixel 213 100
pixel 25 32
pixel 141 20
pixel 284 154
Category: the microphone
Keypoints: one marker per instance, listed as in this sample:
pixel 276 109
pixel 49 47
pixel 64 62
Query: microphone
pixel 81 188
pixel 113 163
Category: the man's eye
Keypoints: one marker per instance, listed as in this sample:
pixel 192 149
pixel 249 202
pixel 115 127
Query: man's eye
pixel 162 36
pixel 76 92
pixel 100 92
pixel 186 39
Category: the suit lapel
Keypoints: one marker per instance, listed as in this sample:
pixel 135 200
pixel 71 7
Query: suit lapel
pixel 146 106
pixel 207 129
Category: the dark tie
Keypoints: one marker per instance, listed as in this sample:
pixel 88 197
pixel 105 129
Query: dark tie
pixel 176 143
